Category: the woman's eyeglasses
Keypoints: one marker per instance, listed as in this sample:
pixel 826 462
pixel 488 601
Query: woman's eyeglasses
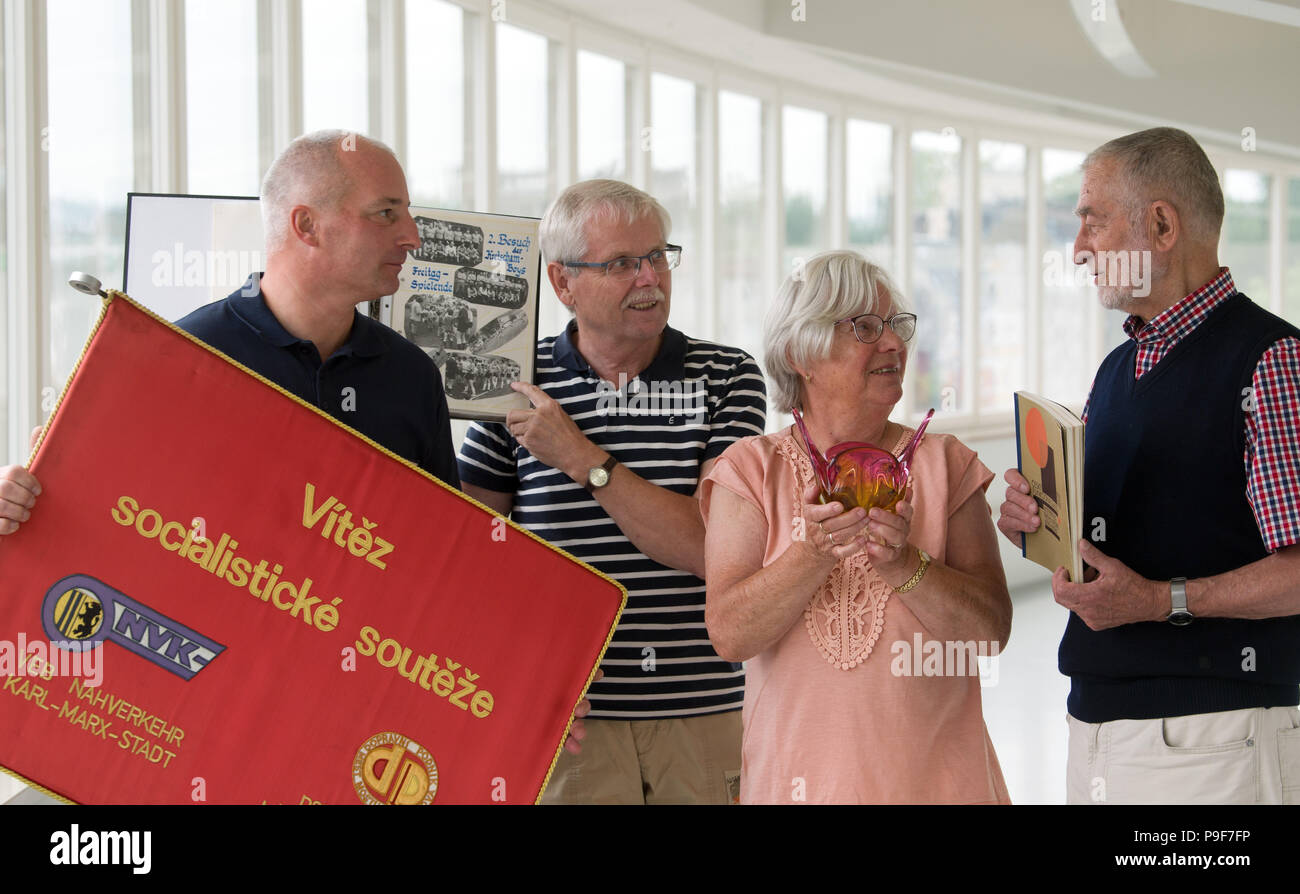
pixel 868 327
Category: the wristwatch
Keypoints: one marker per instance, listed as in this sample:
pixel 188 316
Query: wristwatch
pixel 1179 616
pixel 920 572
pixel 598 476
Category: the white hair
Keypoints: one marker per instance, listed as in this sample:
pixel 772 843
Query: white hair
pixel 563 234
pixel 308 172
pixel 830 286
pixel 1168 164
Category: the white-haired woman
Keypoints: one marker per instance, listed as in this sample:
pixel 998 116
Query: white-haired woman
pixel 860 631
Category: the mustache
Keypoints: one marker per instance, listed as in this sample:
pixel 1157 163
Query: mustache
pixel 644 294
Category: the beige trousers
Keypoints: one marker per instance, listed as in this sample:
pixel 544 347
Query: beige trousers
pixel 1251 756
pixel 682 760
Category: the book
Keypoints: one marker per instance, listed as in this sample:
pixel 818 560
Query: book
pixel 1049 453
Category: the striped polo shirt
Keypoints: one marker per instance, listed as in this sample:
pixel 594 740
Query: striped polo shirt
pixel 692 402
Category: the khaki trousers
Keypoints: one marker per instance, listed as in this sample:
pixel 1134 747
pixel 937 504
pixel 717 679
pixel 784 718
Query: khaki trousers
pixel 682 760
pixel 1251 756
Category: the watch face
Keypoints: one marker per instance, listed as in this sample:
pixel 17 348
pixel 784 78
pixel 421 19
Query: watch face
pixel 1180 619
pixel 598 477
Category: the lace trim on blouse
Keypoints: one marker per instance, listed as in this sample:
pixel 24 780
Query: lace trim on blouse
pixel 846 614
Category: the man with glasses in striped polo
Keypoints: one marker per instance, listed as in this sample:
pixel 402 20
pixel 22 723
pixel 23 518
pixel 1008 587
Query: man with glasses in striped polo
pixel 627 417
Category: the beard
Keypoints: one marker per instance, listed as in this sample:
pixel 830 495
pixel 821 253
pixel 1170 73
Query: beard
pixel 1117 297
pixel 1119 282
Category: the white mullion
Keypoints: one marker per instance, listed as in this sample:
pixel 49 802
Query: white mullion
pixel 283 20
pixel 776 178
pixel 164 85
pixel 770 197
pixel 1283 187
pixel 902 217
pixel 485 121
pixel 836 179
pixel 640 162
pixel 142 98
pixel 632 69
pixel 1034 217
pixel 707 202
pixel 266 71
pixel 773 210
pixel 27 240
pixel 387 82
pixel 1277 238
pixel 970 257
pixel 565 163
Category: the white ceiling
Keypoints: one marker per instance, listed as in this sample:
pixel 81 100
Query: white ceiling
pixel 1215 70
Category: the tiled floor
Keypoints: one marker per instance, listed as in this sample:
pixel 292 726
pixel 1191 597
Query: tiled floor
pixel 1025 708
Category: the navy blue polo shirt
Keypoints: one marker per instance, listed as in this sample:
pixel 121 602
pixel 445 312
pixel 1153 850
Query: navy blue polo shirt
pixel 395 397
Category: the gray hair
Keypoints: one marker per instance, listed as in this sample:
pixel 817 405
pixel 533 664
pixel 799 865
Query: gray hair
pixel 563 235
pixel 1166 163
pixel 799 325
pixel 309 171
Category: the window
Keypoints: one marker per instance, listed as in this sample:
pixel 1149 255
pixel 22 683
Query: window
pixel 437 118
pixel 1000 313
pixel 335 66
pixel 602 117
pixel 748 179
pixel 869 181
pixel 1244 244
pixel 935 364
pixel 1068 295
pixel 221 97
pixel 742 288
pixel 90 105
pixel 675 182
pixel 1291 286
pixel 804 145
pixel 525 159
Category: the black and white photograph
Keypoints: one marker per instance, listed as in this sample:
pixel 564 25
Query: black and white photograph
pixel 448 242
pixel 478 376
pixel 439 321
pixel 490 288
pixel 499 332
pixel 470 289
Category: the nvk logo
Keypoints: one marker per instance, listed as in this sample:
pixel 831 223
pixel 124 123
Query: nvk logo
pixel 81 612
pixel 392 769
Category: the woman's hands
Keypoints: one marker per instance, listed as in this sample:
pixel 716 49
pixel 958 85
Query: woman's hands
pixel 836 534
pixel 888 549
pixel 832 532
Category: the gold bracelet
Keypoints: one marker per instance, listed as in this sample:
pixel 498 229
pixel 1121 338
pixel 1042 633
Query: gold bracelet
pixel 920 573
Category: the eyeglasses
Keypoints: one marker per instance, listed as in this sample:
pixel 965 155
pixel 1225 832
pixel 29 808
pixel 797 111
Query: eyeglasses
pixel 661 259
pixel 868 327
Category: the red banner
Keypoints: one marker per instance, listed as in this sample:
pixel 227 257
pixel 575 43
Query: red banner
pixel 226 596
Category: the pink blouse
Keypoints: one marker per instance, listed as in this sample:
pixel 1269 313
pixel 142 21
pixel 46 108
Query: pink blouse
pixel 860 703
